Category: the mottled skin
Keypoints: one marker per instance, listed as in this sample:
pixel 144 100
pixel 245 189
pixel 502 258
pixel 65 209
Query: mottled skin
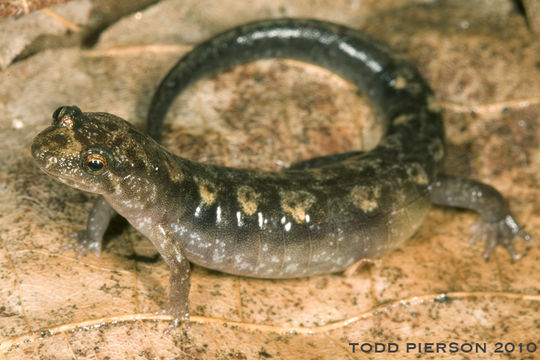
pixel 319 216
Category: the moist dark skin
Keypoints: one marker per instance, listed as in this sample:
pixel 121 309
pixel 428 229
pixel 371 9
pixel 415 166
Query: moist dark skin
pixel 319 216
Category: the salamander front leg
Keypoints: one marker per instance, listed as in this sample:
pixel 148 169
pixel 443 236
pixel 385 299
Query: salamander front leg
pixel 179 286
pixel 179 280
pixel 497 225
pixel 91 238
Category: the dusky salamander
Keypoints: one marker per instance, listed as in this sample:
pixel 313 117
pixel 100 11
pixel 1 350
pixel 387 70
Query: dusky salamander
pixel 319 216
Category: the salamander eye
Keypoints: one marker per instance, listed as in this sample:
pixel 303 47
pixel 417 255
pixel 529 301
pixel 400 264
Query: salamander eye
pixel 95 163
pixel 66 116
pixel 57 112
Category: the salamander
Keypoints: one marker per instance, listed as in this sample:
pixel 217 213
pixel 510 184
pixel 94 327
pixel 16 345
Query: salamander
pixel 318 216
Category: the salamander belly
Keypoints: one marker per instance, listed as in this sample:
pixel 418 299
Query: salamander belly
pixel 282 247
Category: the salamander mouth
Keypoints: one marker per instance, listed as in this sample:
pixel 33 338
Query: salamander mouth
pixel 62 164
pixel 44 163
pixel 63 179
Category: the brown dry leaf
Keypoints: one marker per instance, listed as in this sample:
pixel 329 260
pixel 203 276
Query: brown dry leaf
pixel 76 23
pixel 20 7
pixel 483 64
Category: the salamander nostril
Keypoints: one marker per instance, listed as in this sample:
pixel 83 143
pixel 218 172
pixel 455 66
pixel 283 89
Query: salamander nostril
pixel 37 150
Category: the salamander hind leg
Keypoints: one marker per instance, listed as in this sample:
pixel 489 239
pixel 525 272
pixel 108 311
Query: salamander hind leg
pixel 501 232
pixel 497 225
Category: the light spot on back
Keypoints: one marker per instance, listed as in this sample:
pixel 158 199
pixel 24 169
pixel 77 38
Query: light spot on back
pixel 436 149
pixel 207 192
pixel 296 204
pixel 175 172
pixel 417 174
pixel 247 198
pixel 400 83
pixel 432 104
pixel 366 197
pixel 401 119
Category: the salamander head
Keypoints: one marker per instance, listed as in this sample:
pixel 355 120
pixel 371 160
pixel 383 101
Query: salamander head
pixel 93 152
